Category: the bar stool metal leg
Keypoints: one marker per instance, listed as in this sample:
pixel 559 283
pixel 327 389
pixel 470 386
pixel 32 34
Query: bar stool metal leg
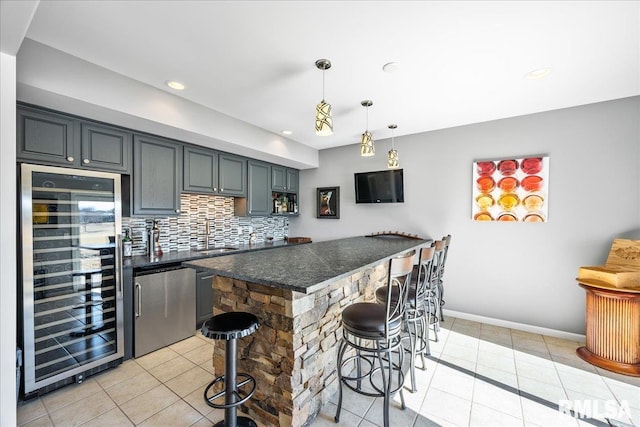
pixel 230 327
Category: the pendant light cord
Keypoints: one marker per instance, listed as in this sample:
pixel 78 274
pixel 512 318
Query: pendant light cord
pixel 323 85
pixel 367 119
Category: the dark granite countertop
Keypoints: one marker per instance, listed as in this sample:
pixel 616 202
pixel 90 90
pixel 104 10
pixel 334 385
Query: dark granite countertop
pixel 143 261
pixel 307 268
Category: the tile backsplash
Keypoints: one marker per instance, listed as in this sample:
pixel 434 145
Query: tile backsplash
pixel 187 231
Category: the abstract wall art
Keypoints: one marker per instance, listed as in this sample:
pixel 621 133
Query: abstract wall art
pixel 511 189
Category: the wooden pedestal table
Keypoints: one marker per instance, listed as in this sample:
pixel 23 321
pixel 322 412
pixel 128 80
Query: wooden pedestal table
pixel 613 328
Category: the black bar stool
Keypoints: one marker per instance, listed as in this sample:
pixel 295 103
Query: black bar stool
pixel 373 330
pixel 230 327
pixel 419 313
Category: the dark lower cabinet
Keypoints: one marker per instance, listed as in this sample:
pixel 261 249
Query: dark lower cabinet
pixel 204 297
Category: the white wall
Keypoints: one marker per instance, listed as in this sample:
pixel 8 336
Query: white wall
pixel 8 278
pixel 517 272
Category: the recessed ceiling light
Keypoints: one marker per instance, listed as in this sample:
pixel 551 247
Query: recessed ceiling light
pixel 390 67
pixel 287 132
pixel 539 73
pixel 175 85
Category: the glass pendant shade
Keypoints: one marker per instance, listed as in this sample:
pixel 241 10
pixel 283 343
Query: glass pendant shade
pixel 367 148
pixel 392 160
pixel 324 122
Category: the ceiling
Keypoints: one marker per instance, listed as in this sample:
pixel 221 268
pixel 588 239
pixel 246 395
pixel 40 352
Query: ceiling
pixel 458 62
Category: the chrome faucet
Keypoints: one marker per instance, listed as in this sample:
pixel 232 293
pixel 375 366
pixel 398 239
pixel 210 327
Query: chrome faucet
pixel 207 233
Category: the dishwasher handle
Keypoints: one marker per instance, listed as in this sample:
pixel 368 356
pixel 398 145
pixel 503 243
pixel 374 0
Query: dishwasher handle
pixel 139 299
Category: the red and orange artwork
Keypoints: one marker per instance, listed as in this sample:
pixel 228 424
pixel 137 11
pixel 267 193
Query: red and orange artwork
pixel 511 189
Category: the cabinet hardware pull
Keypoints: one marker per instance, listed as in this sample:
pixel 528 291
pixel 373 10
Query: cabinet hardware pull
pixel 119 274
pixel 215 188
pixel 177 210
pixel 85 161
pixel 139 292
pixel 70 159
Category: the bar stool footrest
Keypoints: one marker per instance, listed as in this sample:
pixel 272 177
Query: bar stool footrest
pixel 242 422
pixel 247 379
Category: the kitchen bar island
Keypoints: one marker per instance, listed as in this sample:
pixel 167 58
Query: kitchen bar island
pixel 298 293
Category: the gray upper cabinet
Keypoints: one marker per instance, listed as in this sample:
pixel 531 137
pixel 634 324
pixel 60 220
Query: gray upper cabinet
pixel 292 180
pixel 259 194
pixel 56 139
pixel 105 147
pixel 157 177
pixel 211 172
pixel 278 178
pixel 47 138
pixel 284 179
pixel 200 171
pixel 232 175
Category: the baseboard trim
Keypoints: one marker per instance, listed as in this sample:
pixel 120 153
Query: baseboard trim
pixel 515 325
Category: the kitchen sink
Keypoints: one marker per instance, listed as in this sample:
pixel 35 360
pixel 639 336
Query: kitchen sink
pixel 216 250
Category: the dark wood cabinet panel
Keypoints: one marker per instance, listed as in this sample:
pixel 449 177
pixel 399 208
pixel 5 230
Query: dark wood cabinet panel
pixel 284 179
pixel 258 192
pixel 278 178
pixel 158 176
pixel 204 297
pixel 292 180
pixel 48 138
pixel 232 175
pixel 200 171
pixel 106 148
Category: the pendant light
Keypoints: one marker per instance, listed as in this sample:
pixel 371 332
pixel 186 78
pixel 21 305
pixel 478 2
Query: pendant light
pixel 324 122
pixel 367 148
pixel 392 159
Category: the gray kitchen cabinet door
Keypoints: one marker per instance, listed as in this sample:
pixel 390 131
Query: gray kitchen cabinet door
pixel 157 176
pixel 292 180
pixel 200 171
pixel 278 178
pixel 204 297
pixel 47 138
pixel 232 175
pixel 106 148
pixel 258 191
pixel 284 179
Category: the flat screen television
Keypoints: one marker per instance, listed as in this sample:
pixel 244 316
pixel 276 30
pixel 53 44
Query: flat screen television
pixel 380 187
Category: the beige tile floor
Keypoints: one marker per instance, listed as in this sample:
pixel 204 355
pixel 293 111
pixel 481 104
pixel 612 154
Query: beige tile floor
pixel 477 375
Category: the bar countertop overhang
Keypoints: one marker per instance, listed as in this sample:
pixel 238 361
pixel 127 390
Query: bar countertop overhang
pixel 309 267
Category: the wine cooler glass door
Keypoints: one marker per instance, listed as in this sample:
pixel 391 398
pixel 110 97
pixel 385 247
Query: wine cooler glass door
pixel 72 296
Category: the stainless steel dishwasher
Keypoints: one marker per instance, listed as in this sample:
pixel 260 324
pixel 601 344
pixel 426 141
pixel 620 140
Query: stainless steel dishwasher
pixel 164 307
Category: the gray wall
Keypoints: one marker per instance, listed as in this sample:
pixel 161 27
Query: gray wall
pixel 517 272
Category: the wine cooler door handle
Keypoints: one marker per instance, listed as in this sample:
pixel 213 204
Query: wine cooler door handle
pixel 119 274
pixel 139 298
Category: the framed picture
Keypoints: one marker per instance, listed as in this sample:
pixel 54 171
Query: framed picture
pixel 328 200
pixel 511 189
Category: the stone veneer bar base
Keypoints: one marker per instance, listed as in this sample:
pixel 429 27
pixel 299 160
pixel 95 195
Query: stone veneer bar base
pixel 293 354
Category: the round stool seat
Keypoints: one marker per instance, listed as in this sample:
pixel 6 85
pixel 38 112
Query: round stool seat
pixel 230 326
pixel 367 319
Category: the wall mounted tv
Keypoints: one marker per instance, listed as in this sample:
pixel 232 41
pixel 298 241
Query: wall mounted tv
pixel 380 187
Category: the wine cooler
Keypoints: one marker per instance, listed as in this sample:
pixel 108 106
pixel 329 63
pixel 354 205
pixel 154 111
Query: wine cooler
pixel 71 274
